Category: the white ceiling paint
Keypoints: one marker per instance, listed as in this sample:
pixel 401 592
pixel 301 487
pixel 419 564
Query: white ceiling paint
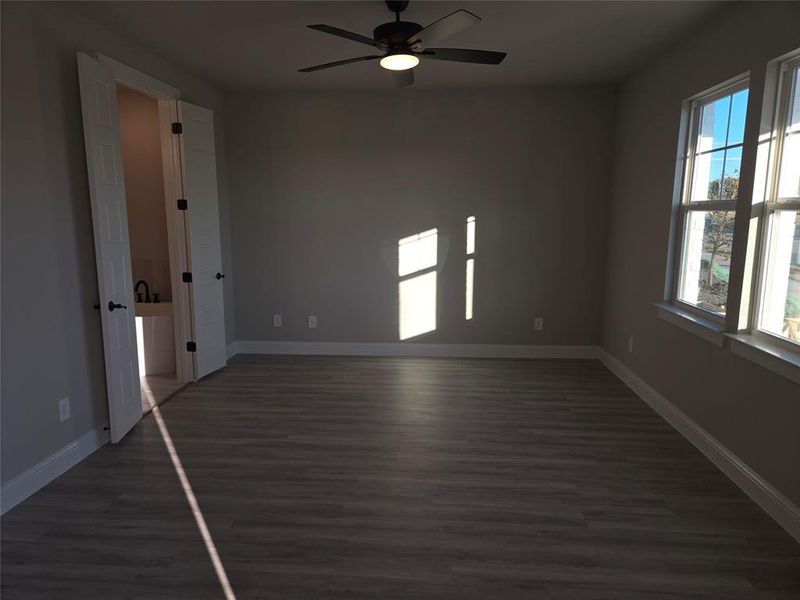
pixel 260 45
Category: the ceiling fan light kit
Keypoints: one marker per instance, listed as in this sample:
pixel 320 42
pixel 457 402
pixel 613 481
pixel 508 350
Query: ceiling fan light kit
pixel 399 61
pixel 404 42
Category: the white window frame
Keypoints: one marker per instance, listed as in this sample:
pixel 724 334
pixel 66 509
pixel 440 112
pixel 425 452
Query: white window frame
pixel 765 210
pixel 692 107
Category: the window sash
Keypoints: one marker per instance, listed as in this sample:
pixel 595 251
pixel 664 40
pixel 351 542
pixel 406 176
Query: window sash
pixel 766 255
pixel 687 205
pixel 773 203
pixel 678 271
pixel 781 124
pixel 695 110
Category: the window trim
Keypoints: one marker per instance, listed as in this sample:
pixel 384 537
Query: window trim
pixel 683 205
pixel 737 332
pixel 771 203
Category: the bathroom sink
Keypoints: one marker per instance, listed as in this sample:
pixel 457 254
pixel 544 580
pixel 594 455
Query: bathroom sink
pixel 153 309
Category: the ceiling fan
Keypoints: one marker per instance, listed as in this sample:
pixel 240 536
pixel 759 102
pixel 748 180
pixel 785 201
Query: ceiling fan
pixel 403 43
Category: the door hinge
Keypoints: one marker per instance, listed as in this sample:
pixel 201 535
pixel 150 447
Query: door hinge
pixel 177 128
pixel 187 277
pixel 191 347
pixel 183 204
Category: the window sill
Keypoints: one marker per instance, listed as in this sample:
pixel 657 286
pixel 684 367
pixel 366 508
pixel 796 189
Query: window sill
pixel 771 356
pixel 688 321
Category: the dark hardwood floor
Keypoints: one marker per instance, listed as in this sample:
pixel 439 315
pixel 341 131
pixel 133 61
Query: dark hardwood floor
pixel 400 478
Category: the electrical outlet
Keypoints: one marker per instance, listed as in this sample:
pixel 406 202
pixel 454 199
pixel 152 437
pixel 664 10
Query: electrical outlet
pixel 63 409
pixel 312 321
pixel 538 323
pixel 630 344
pixel 277 320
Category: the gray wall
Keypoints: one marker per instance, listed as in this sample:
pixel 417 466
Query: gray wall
pixel 51 340
pixel 755 413
pixel 325 184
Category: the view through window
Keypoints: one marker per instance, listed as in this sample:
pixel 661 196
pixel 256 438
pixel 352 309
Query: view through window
pixel 780 299
pixel 711 188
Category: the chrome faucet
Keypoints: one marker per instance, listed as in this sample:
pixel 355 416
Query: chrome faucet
pixel 139 294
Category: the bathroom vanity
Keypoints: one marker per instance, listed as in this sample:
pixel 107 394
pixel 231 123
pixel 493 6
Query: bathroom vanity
pixel 156 336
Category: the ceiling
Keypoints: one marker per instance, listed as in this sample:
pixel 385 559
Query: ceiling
pixel 260 45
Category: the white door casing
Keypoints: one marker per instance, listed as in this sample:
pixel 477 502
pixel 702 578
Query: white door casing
pixel 199 171
pixel 112 247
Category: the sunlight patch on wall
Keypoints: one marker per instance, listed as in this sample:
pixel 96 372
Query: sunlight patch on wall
pixel 470 235
pixel 470 285
pixel 417 305
pixel 470 274
pixel 417 252
pixel 417 256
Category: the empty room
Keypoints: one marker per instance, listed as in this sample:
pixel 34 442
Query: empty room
pixel 390 299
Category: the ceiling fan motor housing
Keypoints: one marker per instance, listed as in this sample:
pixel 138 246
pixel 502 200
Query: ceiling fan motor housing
pixel 394 35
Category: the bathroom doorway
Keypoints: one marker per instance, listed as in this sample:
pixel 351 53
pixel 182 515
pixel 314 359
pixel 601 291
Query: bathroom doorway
pixel 148 231
pixel 164 132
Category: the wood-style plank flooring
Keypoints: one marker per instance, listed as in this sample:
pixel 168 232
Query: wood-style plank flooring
pixel 155 389
pixel 400 478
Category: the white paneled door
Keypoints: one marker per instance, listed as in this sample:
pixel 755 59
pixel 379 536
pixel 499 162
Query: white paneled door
pixel 112 249
pixel 198 160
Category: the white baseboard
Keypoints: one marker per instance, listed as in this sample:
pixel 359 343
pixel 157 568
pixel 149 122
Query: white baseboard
pixel 231 350
pixel 775 504
pixel 414 349
pixel 25 484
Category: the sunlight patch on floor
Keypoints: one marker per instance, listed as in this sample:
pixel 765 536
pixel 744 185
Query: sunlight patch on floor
pixel 193 504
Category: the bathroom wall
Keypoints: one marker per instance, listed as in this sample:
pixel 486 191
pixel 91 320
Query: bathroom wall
pixel 144 189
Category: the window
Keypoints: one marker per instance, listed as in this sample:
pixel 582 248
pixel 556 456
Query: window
pixel 778 312
pixel 416 268
pixel 711 169
pixel 470 273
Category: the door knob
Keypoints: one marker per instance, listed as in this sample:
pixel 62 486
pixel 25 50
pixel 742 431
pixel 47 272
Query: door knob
pixel 112 306
pixel 220 276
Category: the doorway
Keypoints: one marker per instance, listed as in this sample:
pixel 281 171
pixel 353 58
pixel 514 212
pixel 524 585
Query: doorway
pixel 152 278
pixel 161 315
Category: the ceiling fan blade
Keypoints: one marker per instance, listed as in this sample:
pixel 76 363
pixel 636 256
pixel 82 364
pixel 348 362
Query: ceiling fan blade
pixel 338 63
pixel 348 35
pixel 445 27
pixel 403 78
pixel 483 57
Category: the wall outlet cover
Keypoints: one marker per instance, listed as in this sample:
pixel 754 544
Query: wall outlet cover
pixel 277 320
pixel 538 323
pixel 312 321
pixel 630 344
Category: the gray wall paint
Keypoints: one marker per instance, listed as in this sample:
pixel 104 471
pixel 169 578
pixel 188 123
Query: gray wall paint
pixel 753 412
pixel 51 339
pixel 325 184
